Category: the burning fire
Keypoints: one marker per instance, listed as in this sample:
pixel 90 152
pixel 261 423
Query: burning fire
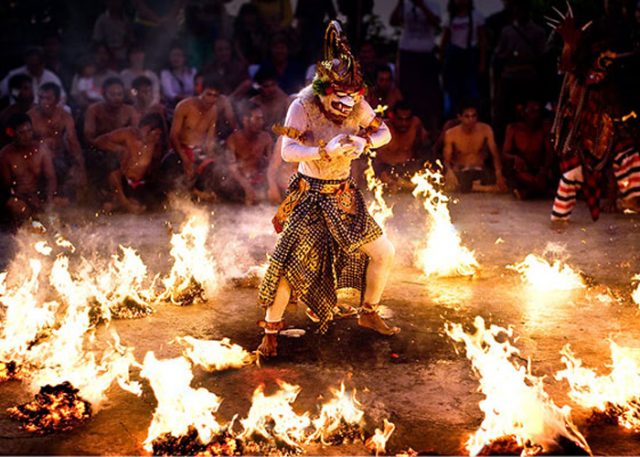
pixel 214 355
pixel 517 411
pixel 377 444
pixel 442 253
pixel 194 274
pixel 340 417
pixel 273 419
pixel 181 408
pixel 616 394
pixel 635 295
pixel 55 408
pixel 378 207
pixel 544 276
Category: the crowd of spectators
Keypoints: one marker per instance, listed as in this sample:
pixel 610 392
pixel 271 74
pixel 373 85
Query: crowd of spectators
pixel 179 94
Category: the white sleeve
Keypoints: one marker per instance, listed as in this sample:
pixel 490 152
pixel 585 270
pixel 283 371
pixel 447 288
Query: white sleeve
pixel 292 150
pixel 166 84
pixel 382 135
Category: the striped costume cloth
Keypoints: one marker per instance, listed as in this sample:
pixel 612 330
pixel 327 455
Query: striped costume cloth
pixel 318 249
pixel 626 169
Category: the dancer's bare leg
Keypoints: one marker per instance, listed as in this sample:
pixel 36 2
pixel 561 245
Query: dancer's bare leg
pixel 273 320
pixel 381 254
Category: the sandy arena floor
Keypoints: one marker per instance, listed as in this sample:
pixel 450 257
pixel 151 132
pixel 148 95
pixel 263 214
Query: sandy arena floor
pixel 416 379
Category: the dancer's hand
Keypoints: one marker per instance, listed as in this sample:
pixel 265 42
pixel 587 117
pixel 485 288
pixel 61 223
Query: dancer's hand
pixel 340 145
pixel 359 145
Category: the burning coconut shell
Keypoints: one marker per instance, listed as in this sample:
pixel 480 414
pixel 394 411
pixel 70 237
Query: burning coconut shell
pixel 509 445
pixel 190 444
pixel 56 408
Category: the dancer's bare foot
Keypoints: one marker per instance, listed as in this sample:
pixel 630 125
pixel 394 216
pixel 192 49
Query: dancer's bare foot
pixel 269 345
pixel 631 204
pixel 373 321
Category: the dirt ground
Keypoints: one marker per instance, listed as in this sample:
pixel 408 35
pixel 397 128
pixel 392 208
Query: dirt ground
pixel 416 379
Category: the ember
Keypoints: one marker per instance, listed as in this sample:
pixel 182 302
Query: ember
pixel 55 408
pixel 341 419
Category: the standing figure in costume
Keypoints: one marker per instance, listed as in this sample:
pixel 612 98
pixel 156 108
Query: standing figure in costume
pixel 327 241
pixel 593 130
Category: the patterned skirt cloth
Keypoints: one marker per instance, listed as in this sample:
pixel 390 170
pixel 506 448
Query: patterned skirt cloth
pixel 325 224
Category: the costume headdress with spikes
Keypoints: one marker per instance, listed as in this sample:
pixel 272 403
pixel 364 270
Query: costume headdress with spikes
pixel 338 70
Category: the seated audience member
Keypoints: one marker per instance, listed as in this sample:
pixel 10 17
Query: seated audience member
pixel 226 121
pixel 21 99
pixel 143 101
pixel 383 93
pixel 193 135
pixel 135 154
pixel 24 163
pixel 55 128
pixel 230 72
pixel 465 148
pixel 177 81
pixel 137 69
pixel 250 148
pixel 528 154
pixel 397 161
pixel 273 101
pixel 84 87
pixel 289 73
pixel 279 174
pixel 110 114
pixel 104 117
pixel 34 67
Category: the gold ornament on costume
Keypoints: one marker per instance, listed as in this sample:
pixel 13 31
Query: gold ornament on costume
pixel 339 67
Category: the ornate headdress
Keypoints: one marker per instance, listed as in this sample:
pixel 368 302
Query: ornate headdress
pixel 338 70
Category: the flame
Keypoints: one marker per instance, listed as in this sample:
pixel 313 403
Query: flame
pixel 194 273
pixel 214 355
pixel 25 316
pixel 635 295
pixel 617 393
pixel 43 248
pixel 442 253
pixel 543 276
pixel 378 442
pixel 121 287
pixel 179 405
pixel 343 409
pixel 515 405
pixel 378 207
pixel 272 417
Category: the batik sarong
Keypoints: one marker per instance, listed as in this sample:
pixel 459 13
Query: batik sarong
pixel 325 224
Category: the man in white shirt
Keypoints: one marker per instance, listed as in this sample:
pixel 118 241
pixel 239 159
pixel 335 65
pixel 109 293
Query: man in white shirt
pixel 419 67
pixel 34 67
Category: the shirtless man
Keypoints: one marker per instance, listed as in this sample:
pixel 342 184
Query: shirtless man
pixel 110 114
pixel 21 98
pixel 136 152
pixel 383 93
pixel 273 101
pixel 142 91
pixel 399 159
pixel 55 128
pixel 528 153
pixel 23 164
pixel 465 149
pixel 250 148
